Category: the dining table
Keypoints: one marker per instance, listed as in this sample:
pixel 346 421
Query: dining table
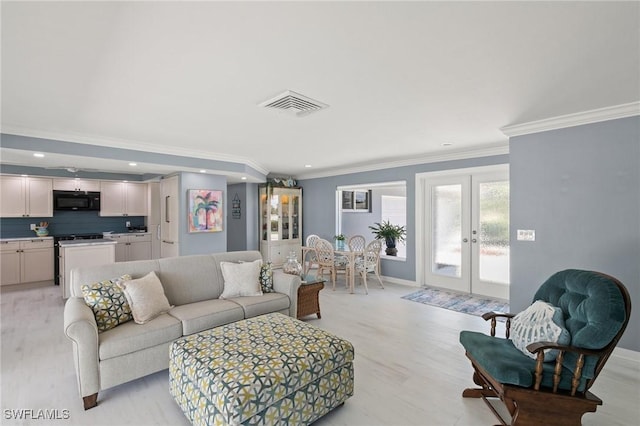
pixel 338 250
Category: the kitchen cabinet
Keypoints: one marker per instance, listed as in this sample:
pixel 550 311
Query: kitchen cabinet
pixel 123 199
pixel 26 261
pixel 79 253
pixel 280 223
pixel 169 217
pixel 76 185
pixel 22 196
pixel 132 246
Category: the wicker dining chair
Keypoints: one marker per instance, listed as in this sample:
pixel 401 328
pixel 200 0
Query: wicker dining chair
pixel 369 263
pixel 310 257
pixel 326 259
pixel 357 243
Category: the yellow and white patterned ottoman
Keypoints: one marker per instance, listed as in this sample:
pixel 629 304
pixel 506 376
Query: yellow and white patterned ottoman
pixel 266 370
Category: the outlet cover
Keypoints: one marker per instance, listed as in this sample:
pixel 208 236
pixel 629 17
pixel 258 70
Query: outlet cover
pixel 127 224
pixel 32 226
pixel 526 235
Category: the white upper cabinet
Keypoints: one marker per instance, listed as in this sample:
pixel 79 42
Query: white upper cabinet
pixel 123 199
pixel 26 197
pixel 76 185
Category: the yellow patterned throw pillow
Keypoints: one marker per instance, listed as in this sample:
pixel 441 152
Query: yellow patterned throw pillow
pixel 108 302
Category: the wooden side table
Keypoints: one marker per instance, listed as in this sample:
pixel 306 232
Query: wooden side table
pixel 308 300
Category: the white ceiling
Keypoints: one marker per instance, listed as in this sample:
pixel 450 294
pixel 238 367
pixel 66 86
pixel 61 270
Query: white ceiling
pixel 400 78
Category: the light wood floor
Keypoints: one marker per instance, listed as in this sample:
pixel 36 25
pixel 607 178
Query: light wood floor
pixel 409 367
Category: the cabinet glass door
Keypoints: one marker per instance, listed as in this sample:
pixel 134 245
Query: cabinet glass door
pixel 264 214
pixel 275 217
pixel 285 217
pixel 295 220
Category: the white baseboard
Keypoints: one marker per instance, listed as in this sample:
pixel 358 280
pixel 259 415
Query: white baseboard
pixel 400 281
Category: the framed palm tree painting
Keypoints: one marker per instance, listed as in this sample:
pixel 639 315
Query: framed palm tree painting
pixel 205 210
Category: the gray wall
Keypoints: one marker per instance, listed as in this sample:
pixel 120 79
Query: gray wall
pixel 579 189
pixel 201 242
pixel 319 203
pixel 242 233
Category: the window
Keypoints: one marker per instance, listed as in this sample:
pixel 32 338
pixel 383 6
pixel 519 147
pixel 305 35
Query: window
pixel 394 209
pixel 356 201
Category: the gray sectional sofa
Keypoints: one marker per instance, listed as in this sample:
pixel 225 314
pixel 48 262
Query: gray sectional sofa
pixel 193 284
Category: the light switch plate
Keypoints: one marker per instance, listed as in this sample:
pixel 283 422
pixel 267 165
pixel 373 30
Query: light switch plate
pixel 526 235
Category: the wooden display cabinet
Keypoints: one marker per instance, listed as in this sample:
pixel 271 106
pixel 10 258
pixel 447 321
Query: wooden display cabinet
pixel 280 223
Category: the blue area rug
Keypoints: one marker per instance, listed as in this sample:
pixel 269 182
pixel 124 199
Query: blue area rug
pixel 465 303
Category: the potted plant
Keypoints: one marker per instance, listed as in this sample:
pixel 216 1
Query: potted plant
pixel 391 234
pixel 340 239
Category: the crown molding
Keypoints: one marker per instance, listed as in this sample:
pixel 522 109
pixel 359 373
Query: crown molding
pixel 130 145
pixel 487 151
pixel 576 119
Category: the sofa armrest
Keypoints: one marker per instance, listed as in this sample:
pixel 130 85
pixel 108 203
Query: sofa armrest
pixel 81 328
pixel 287 284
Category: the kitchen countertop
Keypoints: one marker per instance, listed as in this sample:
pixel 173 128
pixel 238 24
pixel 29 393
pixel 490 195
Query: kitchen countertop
pixel 76 243
pixel 26 238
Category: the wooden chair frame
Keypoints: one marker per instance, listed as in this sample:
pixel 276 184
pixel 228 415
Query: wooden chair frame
pixel 538 405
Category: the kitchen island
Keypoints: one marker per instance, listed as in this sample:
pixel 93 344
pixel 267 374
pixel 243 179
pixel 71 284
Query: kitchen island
pixel 76 253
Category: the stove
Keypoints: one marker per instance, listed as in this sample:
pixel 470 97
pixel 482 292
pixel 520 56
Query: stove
pixel 77 237
pixel 56 249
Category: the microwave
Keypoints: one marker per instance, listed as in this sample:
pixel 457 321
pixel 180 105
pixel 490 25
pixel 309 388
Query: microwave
pixel 76 200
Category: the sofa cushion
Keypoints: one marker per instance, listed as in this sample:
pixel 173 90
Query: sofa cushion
pixel 241 279
pixel 146 297
pixel 591 323
pixel 131 337
pixel 188 279
pixel 509 365
pixel 259 305
pixel 199 316
pixel 540 322
pixel 108 303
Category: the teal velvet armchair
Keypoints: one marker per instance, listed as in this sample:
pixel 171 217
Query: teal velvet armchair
pixel 591 310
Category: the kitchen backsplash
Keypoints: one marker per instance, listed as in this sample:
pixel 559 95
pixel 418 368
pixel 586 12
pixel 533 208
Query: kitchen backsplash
pixel 67 222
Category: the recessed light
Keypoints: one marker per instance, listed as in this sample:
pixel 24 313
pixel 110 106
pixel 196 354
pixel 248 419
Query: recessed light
pixel 307 165
pixel 203 171
pixel 243 178
pixel 38 154
pixel 133 164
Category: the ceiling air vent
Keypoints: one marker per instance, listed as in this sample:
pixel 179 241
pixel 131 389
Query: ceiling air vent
pixel 294 103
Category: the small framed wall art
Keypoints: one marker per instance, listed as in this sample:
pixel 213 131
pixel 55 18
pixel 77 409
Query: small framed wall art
pixel 205 210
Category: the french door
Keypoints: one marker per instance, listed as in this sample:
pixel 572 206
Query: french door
pixel 467 233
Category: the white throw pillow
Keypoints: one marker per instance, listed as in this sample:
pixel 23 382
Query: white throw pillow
pixel 540 322
pixel 241 279
pixel 146 297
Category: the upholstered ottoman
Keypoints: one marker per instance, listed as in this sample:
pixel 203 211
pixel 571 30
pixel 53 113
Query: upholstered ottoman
pixel 265 370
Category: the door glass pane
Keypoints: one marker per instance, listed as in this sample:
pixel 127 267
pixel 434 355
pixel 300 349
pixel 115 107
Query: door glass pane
pixel 285 217
pixel 447 230
pixel 494 232
pixel 275 217
pixel 295 228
